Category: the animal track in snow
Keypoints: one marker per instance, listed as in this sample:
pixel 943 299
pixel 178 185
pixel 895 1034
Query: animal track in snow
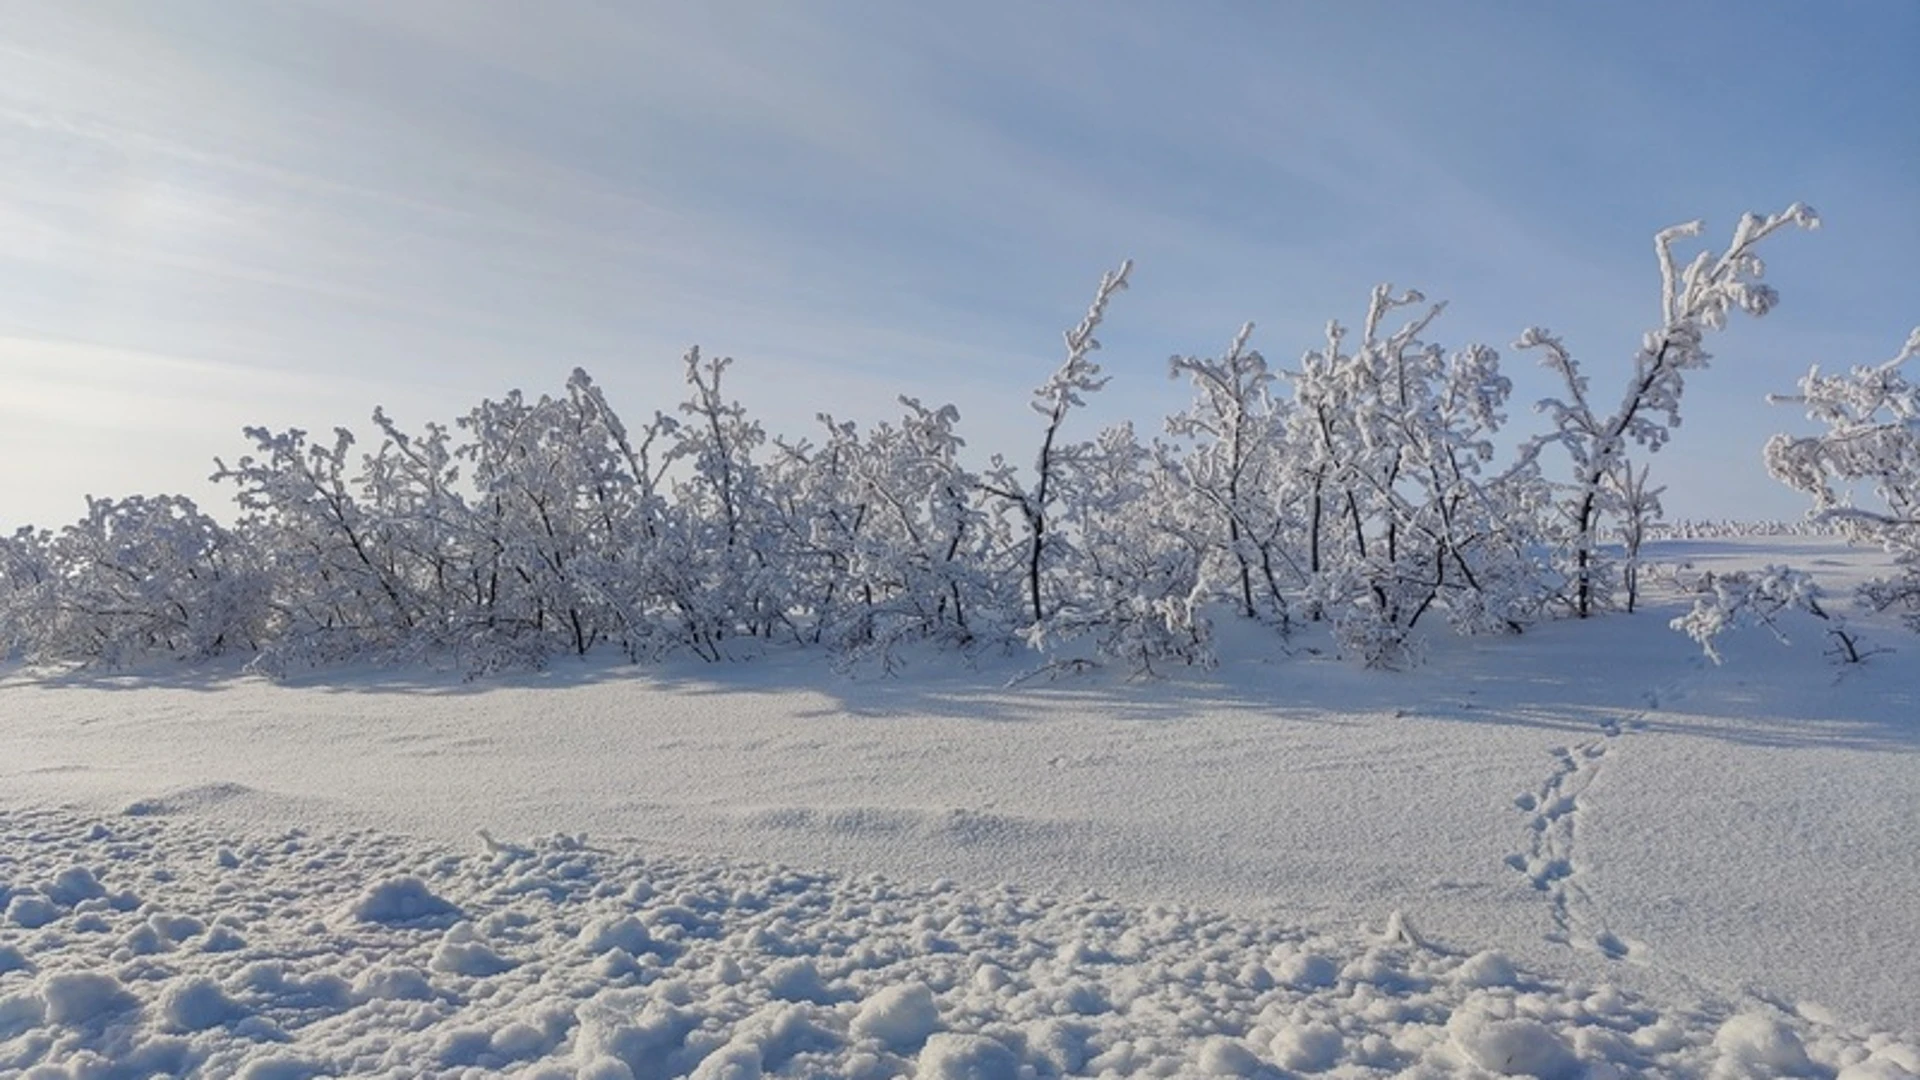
pixel 1553 819
pixel 1548 860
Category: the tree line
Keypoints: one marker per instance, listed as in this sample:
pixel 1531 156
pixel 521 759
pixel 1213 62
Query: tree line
pixel 1361 488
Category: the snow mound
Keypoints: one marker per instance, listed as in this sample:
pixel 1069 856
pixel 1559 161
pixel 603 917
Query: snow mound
pixel 575 962
pixel 1513 1047
pixel 1220 1056
pixel 625 933
pixel 30 912
pixel 1309 1047
pixel 966 1057
pixel 12 959
pixel 1307 971
pixel 197 1003
pixel 1876 1068
pixel 188 799
pixel 460 953
pixel 901 1016
pixel 80 998
pixel 75 885
pixel 1754 1044
pixel 403 901
pixel 1486 969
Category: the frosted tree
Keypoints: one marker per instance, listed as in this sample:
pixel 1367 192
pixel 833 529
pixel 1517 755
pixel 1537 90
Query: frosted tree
pixel 945 538
pixel 1359 488
pixel 1389 435
pixel 337 593
pixel 27 583
pixel 1694 299
pixel 1235 471
pixel 820 516
pixel 1349 454
pixel 1863 470
pixel 720 565
pixel 1134 584
pixel 1077 375
pixel 900 513
pixel 415 515
pixel 1458 538
pixel 560 523
pixel 1639 509
pixel 143 578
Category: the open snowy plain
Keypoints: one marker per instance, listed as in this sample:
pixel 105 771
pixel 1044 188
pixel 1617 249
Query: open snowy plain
pixel 1580 852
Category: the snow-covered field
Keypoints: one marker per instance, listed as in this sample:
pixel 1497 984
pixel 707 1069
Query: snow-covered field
pixel 1579 852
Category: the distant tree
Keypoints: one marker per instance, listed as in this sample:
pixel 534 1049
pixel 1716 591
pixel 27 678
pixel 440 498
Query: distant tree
pixel 416 515
pixel 27 583
pixel 884 538
pixel 559 525
pixel 823 516
pixel 1639 509
pixel 1358 489
pixel 720 565
pixel 942 540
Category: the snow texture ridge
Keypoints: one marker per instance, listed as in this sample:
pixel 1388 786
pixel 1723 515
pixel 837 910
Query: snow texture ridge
pixel 612 965
pixel 1583 851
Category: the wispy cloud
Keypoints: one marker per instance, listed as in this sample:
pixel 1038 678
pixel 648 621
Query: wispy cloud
pixel 438 200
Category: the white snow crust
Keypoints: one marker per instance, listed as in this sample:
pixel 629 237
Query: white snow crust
pixel 1582 852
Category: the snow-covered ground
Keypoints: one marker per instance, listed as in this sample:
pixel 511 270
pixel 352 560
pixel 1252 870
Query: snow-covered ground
pixel 1581 851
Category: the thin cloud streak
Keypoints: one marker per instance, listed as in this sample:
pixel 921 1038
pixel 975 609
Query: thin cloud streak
pixel 439 200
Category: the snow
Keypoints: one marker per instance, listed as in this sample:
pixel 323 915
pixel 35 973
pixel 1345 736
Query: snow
pixel 31 912
pixel 1314 1046
pixel 1759 1045
pixel 625 933
pixel 1582 851
pixel 967 1057
pixel 1488 969
pixel 402 900
pixel 1511 1046
pixel 900 1016
pixel 196 1004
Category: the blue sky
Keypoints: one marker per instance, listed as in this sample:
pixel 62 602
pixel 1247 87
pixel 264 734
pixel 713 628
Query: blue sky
pixel 215 214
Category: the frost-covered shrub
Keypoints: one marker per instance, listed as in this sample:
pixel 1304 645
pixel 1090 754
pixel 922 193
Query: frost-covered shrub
pixel 884 539
pixel 1362 491
pixel 1694 300
pixel 718 567
pixel 1063 392
pixel 137 579
pixel 1131 574
pixel 1233 483
pixel 563 527
pixel 1390 438
pixel 337 591
pixel 26 587
pixel 1724 602
pixel 1870 449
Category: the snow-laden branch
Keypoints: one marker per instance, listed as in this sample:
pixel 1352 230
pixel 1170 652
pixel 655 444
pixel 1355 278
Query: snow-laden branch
pixel 1694 299
pixel 1870 449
